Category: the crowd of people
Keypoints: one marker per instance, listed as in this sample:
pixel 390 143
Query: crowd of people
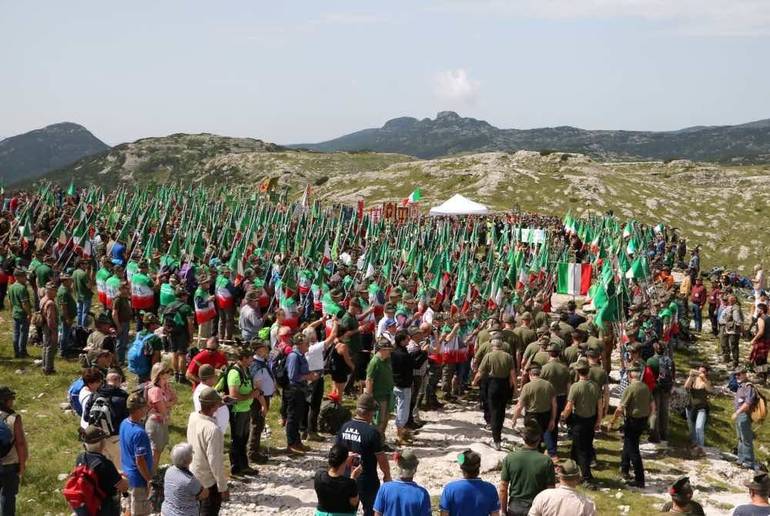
pixel 402 320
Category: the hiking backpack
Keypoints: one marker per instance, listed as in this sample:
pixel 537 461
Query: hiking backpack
pixel 73 394
pixel 6 436
pixel 332 416
pixel 100 413
pixel 82 490
pixel 222 385
pixel 759 408
pixel 280 371
pixel 138 361
pixel 169 314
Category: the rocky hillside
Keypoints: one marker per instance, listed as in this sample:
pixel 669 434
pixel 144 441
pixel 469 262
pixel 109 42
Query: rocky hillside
pixel 37 152
pixel 718 206
pixel 451 134
pixel 210 159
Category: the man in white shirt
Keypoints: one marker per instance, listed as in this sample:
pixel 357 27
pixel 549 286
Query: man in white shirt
pixel 208 376
pixel 563 500
pixel 390 314
pixel 208 442
pixel 262 379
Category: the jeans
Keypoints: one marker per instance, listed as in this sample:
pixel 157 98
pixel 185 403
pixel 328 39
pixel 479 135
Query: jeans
pixel 20 336
pixel 745 439
pixel 296 411
pixel 498 393
pixel 631 456
pixel 239 433
pixel 403 398
pixel 210 506
pixel 65 338
pixel 582 443
pixel 551 438
pixel 84 306
pixel 696 422
pixel 9 487
pixel 121 346
pixel 697 315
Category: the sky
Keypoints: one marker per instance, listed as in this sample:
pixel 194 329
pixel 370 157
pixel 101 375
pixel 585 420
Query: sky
pixel 302 71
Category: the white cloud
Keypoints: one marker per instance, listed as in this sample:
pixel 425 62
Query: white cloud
pixel 698 17
pixel 456 88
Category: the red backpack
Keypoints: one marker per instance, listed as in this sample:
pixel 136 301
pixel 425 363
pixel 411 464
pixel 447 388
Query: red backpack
pixel 82 489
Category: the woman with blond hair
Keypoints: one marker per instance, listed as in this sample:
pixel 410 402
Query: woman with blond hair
pixel 698 387
pixel 161 398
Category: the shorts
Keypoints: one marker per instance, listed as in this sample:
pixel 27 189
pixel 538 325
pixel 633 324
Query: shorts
pixel 179 343
pixel 139 501
pixel 340 377
pixel 158 434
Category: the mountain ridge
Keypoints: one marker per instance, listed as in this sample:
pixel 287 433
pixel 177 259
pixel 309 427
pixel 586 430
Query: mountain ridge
pixel 449 133
pixel 33 154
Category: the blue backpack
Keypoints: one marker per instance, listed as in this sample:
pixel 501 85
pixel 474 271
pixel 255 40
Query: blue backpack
pixel 6 436
pixel 74 395
pixel 138 362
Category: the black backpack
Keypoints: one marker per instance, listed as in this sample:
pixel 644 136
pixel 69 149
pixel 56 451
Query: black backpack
pixel 222 385
pixel 6 435
pixel 101 414
pixel 332 416
pixel 280 371
pixel 169 314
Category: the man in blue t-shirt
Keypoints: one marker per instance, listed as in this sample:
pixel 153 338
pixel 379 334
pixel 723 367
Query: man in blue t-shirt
pixel 136 455
pixel 363 439
pixel 471 495
pixel 403 497
pixel 296 393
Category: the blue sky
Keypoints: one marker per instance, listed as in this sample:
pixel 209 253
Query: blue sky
pixel 305 71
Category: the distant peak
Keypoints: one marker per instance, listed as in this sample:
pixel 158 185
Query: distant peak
pixel 447 115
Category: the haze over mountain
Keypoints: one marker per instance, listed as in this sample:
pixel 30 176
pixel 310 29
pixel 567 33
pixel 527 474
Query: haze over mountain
pixel 33 154
pixel 449 133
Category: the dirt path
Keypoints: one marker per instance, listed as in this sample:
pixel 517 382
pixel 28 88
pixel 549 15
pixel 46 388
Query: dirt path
pixel 286 485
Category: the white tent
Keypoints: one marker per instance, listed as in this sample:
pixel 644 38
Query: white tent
pixel 459 205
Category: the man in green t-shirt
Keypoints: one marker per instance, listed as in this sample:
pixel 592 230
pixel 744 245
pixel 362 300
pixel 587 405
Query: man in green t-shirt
pixel 379 383
pixel 584 405
pixel 538 397
pixel 525 473
pixel 68 310
pixel 240 388
pixel 636 405
pixel 18 296
pixel 83 281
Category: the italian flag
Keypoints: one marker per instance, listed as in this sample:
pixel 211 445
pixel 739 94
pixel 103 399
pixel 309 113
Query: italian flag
pixel 142 295
pixel 222 294
pixel 204 312
pixel 573 278
pixel 413 198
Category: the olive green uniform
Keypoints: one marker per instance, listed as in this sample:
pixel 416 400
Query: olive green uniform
pixel 584 396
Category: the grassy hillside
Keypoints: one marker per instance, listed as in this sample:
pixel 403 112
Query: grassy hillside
pixel 719 206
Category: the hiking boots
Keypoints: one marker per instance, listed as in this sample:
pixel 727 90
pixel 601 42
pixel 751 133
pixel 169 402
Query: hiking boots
pixel 258 458
pixel 313 436
pixel 295 449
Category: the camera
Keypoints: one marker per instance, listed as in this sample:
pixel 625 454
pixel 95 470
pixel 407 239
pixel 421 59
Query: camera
pixel 355 460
